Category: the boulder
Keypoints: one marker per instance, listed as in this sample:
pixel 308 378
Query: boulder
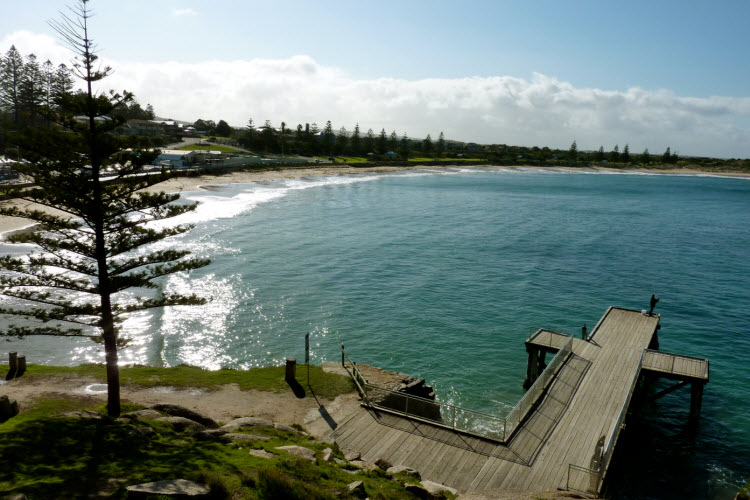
pixel 364 465
pixel 212 436
pixel 398 469
pixel 262 454
pixel 383 464
pixel 142 415
pixel 181 411
pixel 182 424
pixel 287 428
pixel 438 489
pixel 299 451
pixel 174 487
pixel 420 492
pixel 247 422
pixel 357 488
pixel 327 455
pixel 351 455
pixel 238 437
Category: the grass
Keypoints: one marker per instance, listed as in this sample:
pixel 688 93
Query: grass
pixel 446 160
pixel 45 453
pixel 210 147
pixel 271 378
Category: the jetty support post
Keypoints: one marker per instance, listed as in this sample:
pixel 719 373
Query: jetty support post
pixel 696 400
pixel 12 366
pixel 291 369
pixel 532 367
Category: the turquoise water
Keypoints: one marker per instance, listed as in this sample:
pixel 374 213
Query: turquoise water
pixel 442 275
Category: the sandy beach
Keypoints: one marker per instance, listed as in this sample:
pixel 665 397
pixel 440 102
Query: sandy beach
pixel 179 184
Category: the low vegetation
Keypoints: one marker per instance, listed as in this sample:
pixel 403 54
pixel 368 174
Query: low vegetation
pixel 55 450
pixel 271 378
pixel 69 448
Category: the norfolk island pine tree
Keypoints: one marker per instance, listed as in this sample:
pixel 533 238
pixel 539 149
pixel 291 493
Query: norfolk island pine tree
pixel 73 283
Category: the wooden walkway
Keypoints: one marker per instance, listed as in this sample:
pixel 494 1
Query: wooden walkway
pixel 580 411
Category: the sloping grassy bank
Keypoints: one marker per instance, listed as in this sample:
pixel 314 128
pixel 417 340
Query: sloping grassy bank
pixel 270 378
pixel 67 447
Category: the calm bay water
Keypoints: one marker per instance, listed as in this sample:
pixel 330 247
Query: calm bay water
pixel 442 275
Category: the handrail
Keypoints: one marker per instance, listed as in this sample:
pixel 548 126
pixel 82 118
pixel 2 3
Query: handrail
pixel 597 475
pixel 438 412
pixel 517 414
pixel 357 376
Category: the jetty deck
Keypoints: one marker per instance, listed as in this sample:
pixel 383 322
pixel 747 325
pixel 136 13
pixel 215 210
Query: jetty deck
pixel 565 440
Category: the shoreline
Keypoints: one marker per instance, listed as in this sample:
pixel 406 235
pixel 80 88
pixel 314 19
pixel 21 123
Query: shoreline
pixel 11 225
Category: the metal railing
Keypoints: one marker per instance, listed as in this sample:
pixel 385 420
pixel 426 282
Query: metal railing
pixel 596 475
pixel 359 380
pixel 653 353
pixel 517 414
pixel 442 414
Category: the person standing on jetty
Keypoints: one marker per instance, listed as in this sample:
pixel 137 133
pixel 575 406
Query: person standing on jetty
pixel 654 300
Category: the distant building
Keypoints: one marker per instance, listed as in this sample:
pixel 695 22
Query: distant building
pixel 175 158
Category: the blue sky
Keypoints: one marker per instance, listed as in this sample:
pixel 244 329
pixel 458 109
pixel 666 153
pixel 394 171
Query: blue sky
pixel 651 74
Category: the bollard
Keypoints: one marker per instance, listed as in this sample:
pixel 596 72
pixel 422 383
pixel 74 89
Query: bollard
pixel 12 365
pixel 342 356
pixel 584 332
pixel 21 366
pixel 291 369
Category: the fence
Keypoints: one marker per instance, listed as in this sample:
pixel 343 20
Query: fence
pixel 518 413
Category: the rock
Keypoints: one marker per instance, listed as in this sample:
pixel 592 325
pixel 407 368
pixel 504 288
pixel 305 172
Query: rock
pixel 438 489
pixel 262 454
pixel 247 422
pixel 299 451
pixel 383 463
pixel 8 408
pixel 238 437
pixel 211 436
pixel 182 424
pixel 286 428
pixel 351 455
pixel 174 487
pixel 419 492
pixel 142 415
pixel 339 461
pixel 146 432
pixel 357 488
pixel 327 455
pixel 16 496
pixel 181 411
pixel 364 465
pixel 398 469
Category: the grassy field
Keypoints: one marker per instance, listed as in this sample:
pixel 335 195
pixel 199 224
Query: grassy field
pixel 327 385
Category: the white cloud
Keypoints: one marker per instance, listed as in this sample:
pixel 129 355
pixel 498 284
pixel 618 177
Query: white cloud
pixel 183 12
pixel 541 111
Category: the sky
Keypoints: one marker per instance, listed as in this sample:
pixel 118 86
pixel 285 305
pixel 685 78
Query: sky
pixel 534 73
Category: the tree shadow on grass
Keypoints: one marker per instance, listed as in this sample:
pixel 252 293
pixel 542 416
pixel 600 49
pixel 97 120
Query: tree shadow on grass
pixel 75 457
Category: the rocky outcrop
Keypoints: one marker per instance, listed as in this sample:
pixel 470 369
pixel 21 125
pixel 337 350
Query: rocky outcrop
pixel 181 411
pixel 357 489
pixel 179 488
pixel 300 451
pixel 247 422
pixel 182 424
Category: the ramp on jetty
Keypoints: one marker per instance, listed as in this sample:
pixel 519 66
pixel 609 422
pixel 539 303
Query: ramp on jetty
pixel 565 437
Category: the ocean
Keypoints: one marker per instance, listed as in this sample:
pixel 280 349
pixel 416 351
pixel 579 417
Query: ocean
pixel 442 274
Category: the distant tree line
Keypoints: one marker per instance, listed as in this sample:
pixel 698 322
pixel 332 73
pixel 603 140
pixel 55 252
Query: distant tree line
pixel 30 91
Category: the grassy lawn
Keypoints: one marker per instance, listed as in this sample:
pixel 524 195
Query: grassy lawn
pixel 46 453
pixel 210 147
pixel 323 384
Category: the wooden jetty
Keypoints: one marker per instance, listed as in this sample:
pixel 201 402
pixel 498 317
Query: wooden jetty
pixel 561 435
